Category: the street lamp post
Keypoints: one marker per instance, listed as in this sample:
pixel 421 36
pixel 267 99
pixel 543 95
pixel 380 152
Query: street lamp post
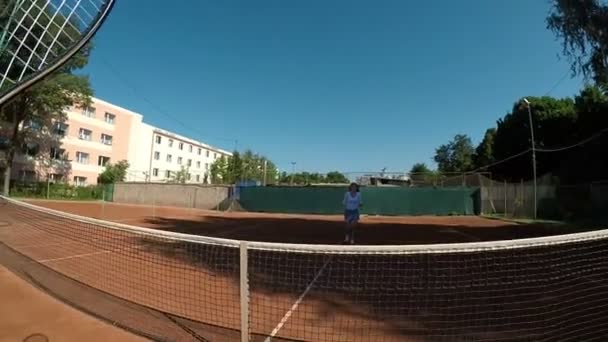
pixel 293 171
pixel 533 154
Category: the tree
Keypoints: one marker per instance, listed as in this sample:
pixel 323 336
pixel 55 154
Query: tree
pixel 258 168
pixel 218 170
pixel 336 177
pixel 554 121
pixel 180 176
pixel 114 173
pixel 420 169
pixel 484 153
pixel 455 156
pixel 582 27
pixel 248 166
pixel 32 115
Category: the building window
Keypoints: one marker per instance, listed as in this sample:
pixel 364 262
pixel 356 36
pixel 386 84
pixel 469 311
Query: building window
pixel 158 139
pixel 170 142
pixel 106 139
pixel 188 176
pixel 155 172
pixel 200 151
pixel 198 164
pixel 85 134
pixel 82 158
pixel 180 146
pixel 198 178
pixel 190 148
pixel 89 112
pixel 80 181
pixel 215 156
pixel 27 176
pixel 110 118
pixel 179 160
pixel 31 149
pixel 189 162
pixel 169 158
pixel 206 166
pixel 57 153
pixel 167 174
pixel 60 129
pixel 156 155
pixel 56 177
pixel 102 161
pixel 207 154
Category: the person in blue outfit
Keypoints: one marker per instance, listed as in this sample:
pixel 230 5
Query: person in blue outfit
pixel 352 203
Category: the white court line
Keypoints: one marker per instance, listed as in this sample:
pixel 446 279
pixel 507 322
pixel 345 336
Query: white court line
pixel 48 244
pixel 87 254
pixel 296 304
pixel 74 256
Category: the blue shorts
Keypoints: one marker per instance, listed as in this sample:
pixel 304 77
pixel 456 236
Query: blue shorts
pixel 351 216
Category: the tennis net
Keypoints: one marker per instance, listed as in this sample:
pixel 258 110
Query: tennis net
pixel 171 286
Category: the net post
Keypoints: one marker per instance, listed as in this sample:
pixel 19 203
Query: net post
pixel 505 191
pixel 103 203
pixel 244 291
pixel 153 202
pixel 523 196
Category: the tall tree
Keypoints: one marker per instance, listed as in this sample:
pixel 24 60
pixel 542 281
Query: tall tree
pixel 484 153
pixel 455 156
pixel 31 116
pixel 554 123
pixel 218 171
pixel 582 26
pixel 246 166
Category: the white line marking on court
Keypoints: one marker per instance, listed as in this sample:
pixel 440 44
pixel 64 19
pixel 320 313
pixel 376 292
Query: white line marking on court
pixel 87 254
pixel 74 256
pixel 49 244
pixel 296 304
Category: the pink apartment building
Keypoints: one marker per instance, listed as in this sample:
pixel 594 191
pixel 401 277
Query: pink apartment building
pixel 92 137
pixel 102 133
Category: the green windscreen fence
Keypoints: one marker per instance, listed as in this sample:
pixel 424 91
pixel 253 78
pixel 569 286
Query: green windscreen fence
pixel 377 200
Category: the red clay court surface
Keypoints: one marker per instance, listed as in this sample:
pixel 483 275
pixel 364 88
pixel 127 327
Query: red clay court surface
pixel 304 229
pixel 195 283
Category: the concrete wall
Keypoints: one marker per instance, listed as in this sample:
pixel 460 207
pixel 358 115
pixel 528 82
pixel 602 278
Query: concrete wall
pixel 174 195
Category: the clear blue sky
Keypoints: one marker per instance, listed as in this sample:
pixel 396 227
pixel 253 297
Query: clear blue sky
pixel 345 85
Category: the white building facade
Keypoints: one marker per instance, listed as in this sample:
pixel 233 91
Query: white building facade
pixel 162 154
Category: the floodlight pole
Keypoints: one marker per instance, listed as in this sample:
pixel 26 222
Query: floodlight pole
pixel 293 171
pixel 533 154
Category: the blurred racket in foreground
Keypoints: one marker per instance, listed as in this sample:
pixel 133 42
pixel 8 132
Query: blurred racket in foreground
pixel 39 36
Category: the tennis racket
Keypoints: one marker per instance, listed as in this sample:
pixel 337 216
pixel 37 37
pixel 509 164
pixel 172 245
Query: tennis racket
pixel 38 36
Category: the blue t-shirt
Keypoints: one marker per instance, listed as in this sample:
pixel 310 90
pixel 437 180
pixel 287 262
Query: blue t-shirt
pixel 352 202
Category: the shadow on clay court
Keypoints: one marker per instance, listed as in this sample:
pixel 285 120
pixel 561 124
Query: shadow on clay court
pixel 319 231
pixel 474 295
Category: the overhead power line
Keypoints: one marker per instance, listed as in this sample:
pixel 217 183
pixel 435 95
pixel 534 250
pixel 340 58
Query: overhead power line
pixel 158 108
pixel 582 142
pixel 546 150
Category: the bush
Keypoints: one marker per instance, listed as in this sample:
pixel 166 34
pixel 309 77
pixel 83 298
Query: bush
pixel 61 191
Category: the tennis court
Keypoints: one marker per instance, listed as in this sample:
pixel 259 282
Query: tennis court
pixel 184 280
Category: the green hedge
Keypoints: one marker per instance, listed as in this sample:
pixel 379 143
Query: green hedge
pixel 62 191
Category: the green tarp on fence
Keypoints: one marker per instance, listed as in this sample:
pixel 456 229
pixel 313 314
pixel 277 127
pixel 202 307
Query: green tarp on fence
pixel 377 201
